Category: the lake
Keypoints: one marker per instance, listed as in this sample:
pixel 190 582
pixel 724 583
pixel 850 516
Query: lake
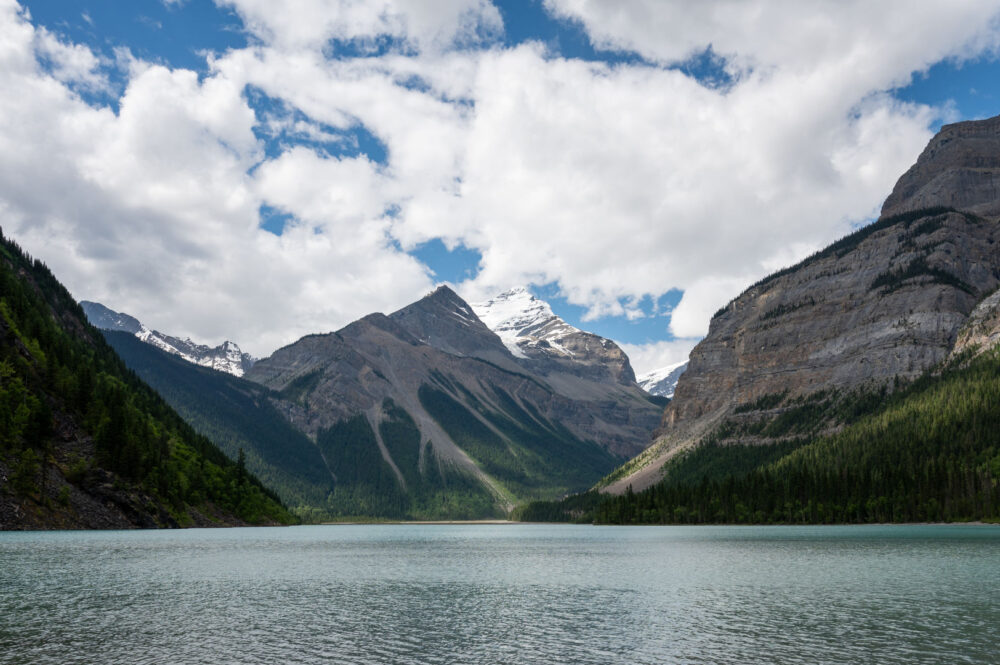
pixel 494 594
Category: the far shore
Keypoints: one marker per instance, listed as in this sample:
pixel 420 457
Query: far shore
pixel 422 522
pixel 509 522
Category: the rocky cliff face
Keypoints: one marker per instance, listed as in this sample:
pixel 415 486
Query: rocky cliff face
pixel 959 168
pixel 886 302
pixel 437 351
pixel 982 329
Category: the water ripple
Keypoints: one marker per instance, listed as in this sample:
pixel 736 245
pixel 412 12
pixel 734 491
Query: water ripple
pixel 519 595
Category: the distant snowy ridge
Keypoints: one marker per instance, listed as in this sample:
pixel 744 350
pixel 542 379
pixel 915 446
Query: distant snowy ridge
pixel 227 357
pixel 524 323
pixel 663 381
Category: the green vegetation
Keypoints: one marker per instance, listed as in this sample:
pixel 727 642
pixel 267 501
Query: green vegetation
pixel 60 381
pixel 366 485
pixel 575 508
pixel 762 403
pixel 235 415
pixel 533 457
pixel 782 310
pixel 300 386
pixel 892 280
pixel 928 452
pixel 659 400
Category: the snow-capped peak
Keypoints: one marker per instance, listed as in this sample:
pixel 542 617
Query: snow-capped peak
pixel 521 320
pixel 227 357
pixel 662 381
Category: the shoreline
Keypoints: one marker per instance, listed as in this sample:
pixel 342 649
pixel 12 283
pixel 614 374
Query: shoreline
pixel 425 522
pixel 512 522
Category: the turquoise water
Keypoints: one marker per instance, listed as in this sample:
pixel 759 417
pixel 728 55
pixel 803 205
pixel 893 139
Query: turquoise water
pixel 503 594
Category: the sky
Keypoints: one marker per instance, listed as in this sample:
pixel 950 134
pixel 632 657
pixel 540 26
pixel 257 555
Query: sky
pixel 258 171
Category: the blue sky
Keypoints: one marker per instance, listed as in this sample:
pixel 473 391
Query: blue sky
pixel 444 220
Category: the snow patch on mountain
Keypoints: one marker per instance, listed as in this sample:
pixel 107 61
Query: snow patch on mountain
pixel 523 322
pixel 227 357
pixel 662 381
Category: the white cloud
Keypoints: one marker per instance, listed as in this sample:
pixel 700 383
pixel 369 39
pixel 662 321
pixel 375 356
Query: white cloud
pixel 71 63
pixel 654 355
pixel 152 210
pixel 615 183
pixel 421 24
pixel 878 40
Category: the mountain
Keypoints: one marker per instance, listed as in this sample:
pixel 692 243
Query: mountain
pixel 547 345
pixel 83 442
pixel 427 413
pixel 663 382
pixel 926 452
pixel 861 385
pixel 236 415
pixel 227 357
pixel 793 356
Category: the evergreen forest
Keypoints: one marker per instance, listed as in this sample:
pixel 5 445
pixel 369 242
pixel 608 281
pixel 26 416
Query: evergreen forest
pixel 77 426
pixel 926 452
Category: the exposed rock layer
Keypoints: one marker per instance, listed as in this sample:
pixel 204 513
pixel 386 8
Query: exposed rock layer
pixel 959 168
pixel 982 329
pixel 887 302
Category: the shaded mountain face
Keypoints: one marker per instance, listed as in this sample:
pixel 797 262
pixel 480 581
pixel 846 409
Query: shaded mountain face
pixel 439 399
pixel 237 415
pixel 884 304
pixel 83 442
pixel 663 381
pixel 227 357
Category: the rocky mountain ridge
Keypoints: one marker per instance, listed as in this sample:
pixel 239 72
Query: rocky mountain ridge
pixel 520 426
pixel 227 357
pixel 546 344
pixel 882 305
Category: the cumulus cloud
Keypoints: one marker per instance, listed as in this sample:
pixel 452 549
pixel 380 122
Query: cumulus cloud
pixel 654 355
pixel 809 36
pixel 614 182
pixel 418 24
pixel 154 210
pixel 70 63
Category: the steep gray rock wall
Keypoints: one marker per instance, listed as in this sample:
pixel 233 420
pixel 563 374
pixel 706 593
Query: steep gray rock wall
pixel 844 320
pixel 959 168
pixel 888 301
pixel 981 331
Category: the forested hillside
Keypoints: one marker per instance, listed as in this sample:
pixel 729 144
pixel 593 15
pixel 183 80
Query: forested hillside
pixel 84 442
pixel 236 415
pixel 929 451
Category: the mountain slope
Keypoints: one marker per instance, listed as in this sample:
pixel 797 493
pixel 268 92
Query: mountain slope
pixel 428 399
pixel 880 306
pixel 235 415
pixel 227 357
pixel 929 452
pixel 83 442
